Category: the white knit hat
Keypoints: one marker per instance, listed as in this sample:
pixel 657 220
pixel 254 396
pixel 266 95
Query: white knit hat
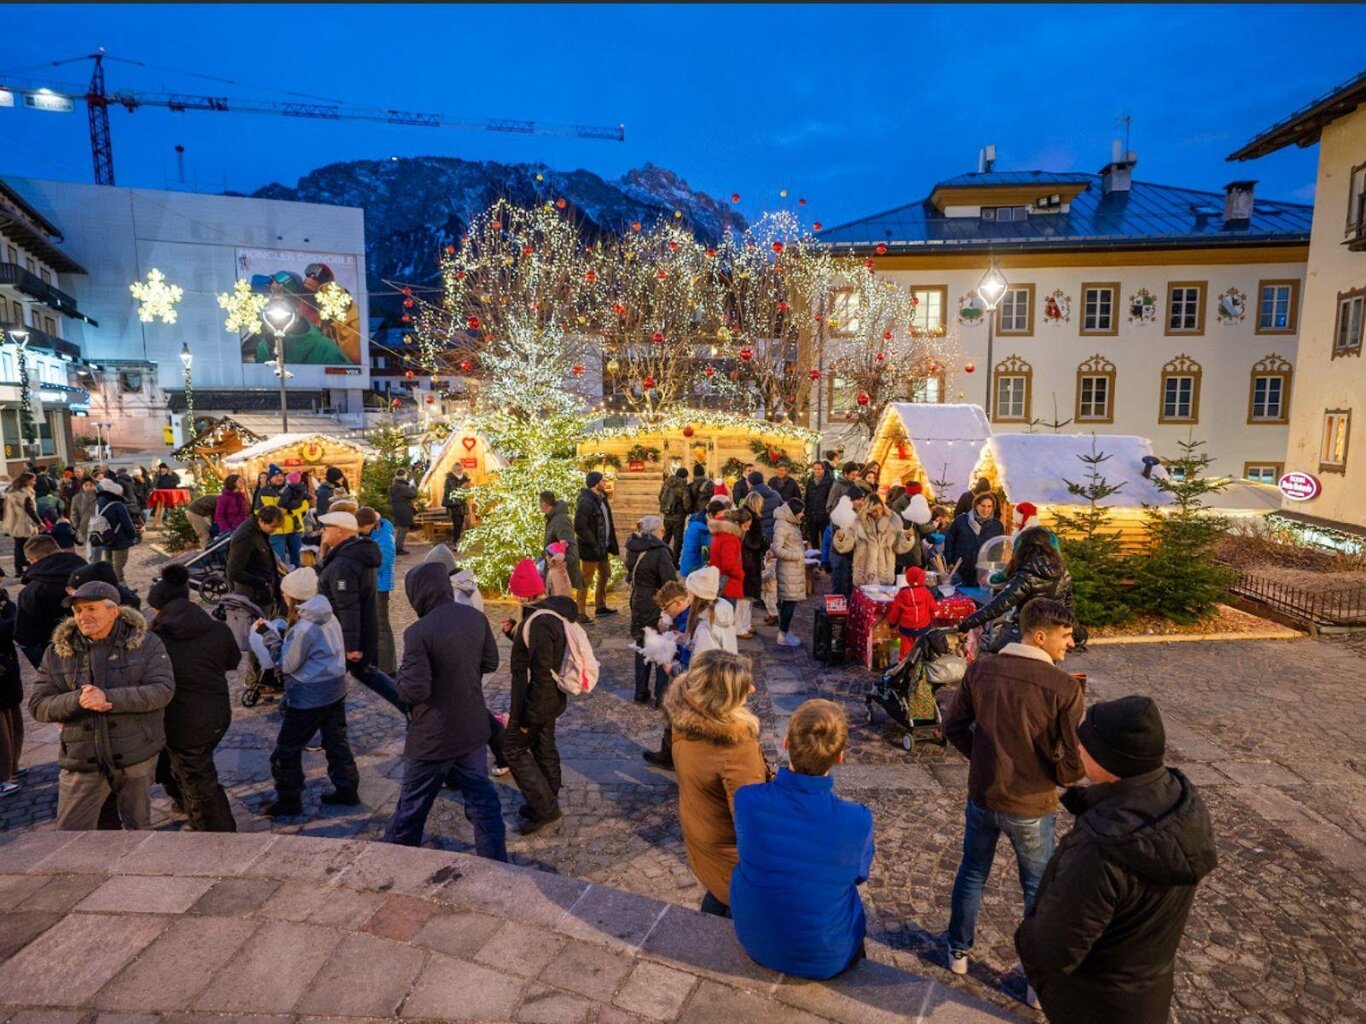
pixel 109 487
pixel 704 583
pixel 301 584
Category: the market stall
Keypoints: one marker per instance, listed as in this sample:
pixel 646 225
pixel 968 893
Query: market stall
pixel 300 452
pixel 636 459
pixel 217 440
pixel 939 445
pixel 464 448
pixel 1036 468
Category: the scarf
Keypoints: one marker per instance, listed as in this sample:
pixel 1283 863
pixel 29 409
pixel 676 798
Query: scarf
pixel 976 521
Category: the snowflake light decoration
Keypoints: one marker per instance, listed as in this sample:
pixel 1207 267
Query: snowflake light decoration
pixel 156 298
pixel 244 309
pixel 332 301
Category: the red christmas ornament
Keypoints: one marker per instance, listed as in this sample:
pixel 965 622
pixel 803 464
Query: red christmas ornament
pixel 619 309
pixel 430 399
pixel 662 274
pixel 497 225
pixel 735 197
pixel 864 398
pixel 648 383
pixel 801 202
pixel 407 290
pixel 396 403
pixel 747 354
pixel 709 371
pixel 815 374
pixel 466 365
pixel 561 203
pixel 688 431
pixel 818 318
pixel 777 246
pixel 881 357
pixel 782 306
pixel 460 275
pixel 527 250
pixel 405 318
pixel 886 335
pixel 915 301
pixel 657 337
pixel 869 264
pixel 577 371
pixel 816 226
pixel 450 250
pixel 407 303
pixel 673 246
pixel 933 366
pixel 474 323
pixel 635 225
pixel 968 368
pixel 408 374
pixel 881 249
pixel 711 253
pixel 590 276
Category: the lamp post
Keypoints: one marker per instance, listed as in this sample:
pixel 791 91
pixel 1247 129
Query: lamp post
pixel 990 290
pixel 186 358
pixel 280 315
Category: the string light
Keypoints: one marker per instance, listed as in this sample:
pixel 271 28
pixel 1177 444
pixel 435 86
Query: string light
pixel 156 298
pixel 244 308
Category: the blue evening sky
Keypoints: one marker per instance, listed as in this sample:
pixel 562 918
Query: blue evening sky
pixel 857 108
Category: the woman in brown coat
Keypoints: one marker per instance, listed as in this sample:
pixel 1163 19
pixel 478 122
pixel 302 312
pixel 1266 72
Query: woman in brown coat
pixel 716 751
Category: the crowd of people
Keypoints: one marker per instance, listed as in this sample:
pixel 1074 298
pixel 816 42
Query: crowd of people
pixel 777 852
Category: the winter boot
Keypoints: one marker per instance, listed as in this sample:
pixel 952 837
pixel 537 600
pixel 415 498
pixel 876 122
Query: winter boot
pixel 343 797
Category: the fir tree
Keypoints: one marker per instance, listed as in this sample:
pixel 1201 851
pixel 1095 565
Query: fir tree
pixel 1178 577
pixel 391 454
pixel 1092 549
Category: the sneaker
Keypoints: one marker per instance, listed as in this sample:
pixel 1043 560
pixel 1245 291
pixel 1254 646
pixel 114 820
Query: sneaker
pixel 745 636
pixel 19 773
pixel 788 640
pixel 958 961
pixel 314 747
pixel 533 825
pixel 499 771
pixel 8 788
pixel 604 611
pixel 1031 997
pixel 343 797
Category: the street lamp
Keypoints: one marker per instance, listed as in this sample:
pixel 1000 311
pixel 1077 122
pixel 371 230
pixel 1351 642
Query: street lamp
pixel 187 358
pixel 280 315
pixel 991 289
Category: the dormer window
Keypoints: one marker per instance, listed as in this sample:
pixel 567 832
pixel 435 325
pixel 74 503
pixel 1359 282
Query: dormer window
pixel 1004 213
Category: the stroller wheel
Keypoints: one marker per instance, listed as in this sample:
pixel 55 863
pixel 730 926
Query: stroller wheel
pixel 868 703
pixel 908 742
pixel 251 697
pixel 213 588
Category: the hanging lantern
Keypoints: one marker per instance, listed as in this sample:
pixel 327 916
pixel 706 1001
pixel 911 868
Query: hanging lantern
pixel 709 371
pixel 778 247
pixel 528 250
pixel 497 225
pixel 396 403
pixel 474 323
pixel 881 249
pixel 968 368
pixel 747 354
pixel 657 337
pixel 818 318
pixel 648 383
pixel 613 366
pixel 577 371
pixel 405 319
pixel 688 431
pixel 460 275
pixel 407 303
pixel 407 290
pixel 815 374
pixel 864 398
pixel 869 264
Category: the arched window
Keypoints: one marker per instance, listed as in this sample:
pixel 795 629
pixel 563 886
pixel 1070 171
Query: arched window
pixel 1179 398
pixel 1268 397
pixel 1013 382
pixel 1096 391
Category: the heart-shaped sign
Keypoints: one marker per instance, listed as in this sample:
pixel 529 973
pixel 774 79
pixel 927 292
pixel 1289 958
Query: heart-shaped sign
pixel 469 443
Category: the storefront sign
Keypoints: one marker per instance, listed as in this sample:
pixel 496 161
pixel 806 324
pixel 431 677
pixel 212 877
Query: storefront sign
pixel 470 463
pixel 1299 486
pixel 52 102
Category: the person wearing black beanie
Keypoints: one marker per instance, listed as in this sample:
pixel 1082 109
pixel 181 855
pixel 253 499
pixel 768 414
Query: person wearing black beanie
pixel 1100 941
pixel 675 505
pixel 202 651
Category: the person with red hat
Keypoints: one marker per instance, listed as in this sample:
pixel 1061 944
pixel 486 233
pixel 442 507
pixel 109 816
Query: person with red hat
pixel 1026 515
pixel 913 610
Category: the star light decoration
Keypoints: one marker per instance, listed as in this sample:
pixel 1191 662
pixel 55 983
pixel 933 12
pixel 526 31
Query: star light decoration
pixel 244 308
pixel 156 298
pixel 332 301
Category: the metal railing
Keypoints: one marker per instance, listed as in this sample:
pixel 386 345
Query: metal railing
pixel 1338 606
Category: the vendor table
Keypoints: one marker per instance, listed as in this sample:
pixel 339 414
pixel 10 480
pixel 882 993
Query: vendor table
pixel 168 497
pixel 864 613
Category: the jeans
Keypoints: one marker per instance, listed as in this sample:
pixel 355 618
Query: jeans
pixel 388 655
pixel 711 905
pixel 673 536
pixel 1033 841
pixel 535 763
pixel 603 571
pixel 287 547
pixel 373 679
pixel 457 528
pixel 841 573
pixel 786 609
pixel 400 535
pixel 298 727
pixel 117 558
pixel 422 781
pixel 643 679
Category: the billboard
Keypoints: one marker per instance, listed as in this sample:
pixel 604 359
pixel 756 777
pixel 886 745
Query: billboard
pixel 316 287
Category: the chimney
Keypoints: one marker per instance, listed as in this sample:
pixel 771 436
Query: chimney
pixel 986 159
pixel 1117 175
pixel 1238 203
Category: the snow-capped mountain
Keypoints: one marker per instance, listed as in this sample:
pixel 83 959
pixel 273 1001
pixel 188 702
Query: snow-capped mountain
pixel 414 206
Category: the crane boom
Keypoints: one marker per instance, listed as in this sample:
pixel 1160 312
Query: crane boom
pixel 98 101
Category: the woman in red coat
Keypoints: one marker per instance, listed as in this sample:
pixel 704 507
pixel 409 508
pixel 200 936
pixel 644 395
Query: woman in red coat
pixel 726 555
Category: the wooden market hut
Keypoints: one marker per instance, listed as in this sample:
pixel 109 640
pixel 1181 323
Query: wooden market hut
pixel 1036 468
pixel 718 441
pixel 300 452
pixel 217 440
pixel 464 447
pixel 940 445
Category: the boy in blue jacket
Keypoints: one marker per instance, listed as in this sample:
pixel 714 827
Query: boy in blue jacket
pixel 803 854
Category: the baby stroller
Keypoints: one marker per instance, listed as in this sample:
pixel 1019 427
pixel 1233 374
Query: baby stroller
pixel 239 613
pixel 907 691
pixel 207 568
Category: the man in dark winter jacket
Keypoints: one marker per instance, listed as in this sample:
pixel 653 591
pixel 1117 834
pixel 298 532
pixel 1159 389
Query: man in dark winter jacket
pixel 253 570
pixel 202 651
pixel 558 527
pixel 1015 719
pixel 442 681
pixel 839 488
pixel 648 567
pixel 402 495
pixel 40 605
pixel 106 680
pixel 333 486
pixel 675 505
pixel 1100 943
pixel 701 488
pixel 597 542
pixel 816 497
pixel 784 483
pixel 455 500
pixel 538 646
pixel 347 580
pixel 741 490
pixel 771 502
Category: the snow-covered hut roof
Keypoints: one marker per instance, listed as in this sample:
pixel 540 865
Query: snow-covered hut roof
pixel 1035 468
pixel 280 441
pixel 948 440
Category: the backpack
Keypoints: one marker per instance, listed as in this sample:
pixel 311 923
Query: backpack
pixel 579 671
pixel 99 530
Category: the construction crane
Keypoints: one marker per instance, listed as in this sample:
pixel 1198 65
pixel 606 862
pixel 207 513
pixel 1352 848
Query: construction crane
pixel 98 100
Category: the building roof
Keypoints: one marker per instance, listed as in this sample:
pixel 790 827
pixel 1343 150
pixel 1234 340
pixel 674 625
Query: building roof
pixel 271 445
pixel 947 440
pixel 29 228
pixel 1305 125
pixel 1036 468
pixel 1146 216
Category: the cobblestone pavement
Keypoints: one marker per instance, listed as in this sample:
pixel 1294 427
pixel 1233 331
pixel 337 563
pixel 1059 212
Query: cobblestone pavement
pixel 1270 731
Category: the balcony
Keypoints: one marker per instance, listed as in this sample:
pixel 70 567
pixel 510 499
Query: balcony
pixel 42 340
pixel 1356 236
pixel 35 287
